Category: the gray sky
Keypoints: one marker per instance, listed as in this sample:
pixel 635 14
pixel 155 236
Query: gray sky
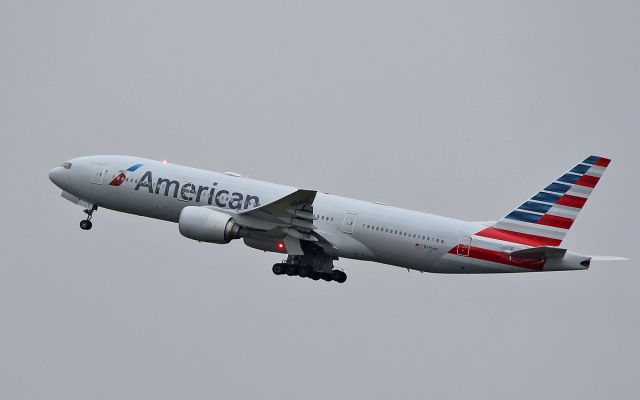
pixel 457 108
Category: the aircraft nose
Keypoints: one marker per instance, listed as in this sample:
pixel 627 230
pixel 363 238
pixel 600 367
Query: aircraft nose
pixel 55 175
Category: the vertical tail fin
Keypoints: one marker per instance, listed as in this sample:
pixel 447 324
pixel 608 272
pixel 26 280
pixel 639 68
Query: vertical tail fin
pixel 545 219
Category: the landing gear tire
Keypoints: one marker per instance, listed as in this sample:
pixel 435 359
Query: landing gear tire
pixel 278 269
pixel 338 276
pixel 85 224
pixel 291 270
pixel 304 271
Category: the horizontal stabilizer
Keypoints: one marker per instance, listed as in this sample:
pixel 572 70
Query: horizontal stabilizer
pixel 608 258
pixel 538 252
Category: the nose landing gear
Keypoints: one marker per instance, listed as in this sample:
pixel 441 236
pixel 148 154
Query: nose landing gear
pixel 86 224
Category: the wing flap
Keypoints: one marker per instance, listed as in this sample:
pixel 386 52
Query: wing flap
pixel 293 212
pixel 290 217
pixel 296 204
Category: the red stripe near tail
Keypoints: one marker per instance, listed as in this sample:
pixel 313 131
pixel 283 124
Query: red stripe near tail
pixel 517 237
pixel 571 201
pixel 502 258
pixel 588 181
pixel 554 220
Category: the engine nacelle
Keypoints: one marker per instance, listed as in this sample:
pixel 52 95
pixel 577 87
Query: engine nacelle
pixel 207 225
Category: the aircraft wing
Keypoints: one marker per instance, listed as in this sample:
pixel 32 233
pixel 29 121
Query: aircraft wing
pixel 295 209
pixel 290 216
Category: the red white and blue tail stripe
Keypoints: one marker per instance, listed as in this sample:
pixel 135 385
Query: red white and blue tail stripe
pixel 545 219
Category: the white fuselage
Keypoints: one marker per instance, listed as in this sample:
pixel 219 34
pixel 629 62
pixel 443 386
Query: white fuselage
pixel 357 229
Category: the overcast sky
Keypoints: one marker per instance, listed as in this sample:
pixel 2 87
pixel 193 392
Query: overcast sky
pixel 463 109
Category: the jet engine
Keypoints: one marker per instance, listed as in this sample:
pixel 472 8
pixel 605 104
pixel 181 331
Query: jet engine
pixel 207 225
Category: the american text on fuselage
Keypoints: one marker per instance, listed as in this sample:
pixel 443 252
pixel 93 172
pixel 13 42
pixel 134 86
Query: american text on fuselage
pixel 205 194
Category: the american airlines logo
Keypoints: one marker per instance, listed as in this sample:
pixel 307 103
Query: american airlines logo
pixel 122 176
pixel 187 191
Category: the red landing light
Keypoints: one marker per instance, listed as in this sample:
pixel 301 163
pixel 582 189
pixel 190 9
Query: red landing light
pixel 164 161
pixel 280 246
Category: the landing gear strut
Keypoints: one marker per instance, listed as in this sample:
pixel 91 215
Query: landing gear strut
pixel 86 224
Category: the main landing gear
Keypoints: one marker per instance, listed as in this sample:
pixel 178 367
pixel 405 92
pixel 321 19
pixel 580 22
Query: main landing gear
pixel 313 264
pixel 305 271
pixel 86 224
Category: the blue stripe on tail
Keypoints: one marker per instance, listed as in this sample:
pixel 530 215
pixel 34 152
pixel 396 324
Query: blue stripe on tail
pixel 591 160
pixel 535 207
pixel 557 188
pixel 569 178
pixel 524 216
pixel 547 197
pixel 580 169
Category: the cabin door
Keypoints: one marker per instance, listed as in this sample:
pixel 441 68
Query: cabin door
pixel 98 174
pixel 348 223
pixel 464 246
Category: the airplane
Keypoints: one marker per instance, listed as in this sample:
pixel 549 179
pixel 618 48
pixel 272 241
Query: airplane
pixel 314 229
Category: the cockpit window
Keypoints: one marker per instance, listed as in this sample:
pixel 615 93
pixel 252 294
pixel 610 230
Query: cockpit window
pixel 66 165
